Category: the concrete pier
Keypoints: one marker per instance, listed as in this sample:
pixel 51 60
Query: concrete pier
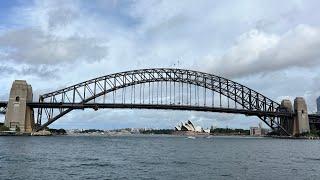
pixel 287 123
pixel 300 121
pixel 19 116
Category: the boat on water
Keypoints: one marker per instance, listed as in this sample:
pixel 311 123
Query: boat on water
pixel 191 137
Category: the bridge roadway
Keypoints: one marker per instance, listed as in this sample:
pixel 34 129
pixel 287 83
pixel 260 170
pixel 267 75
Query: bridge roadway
pixel 97 106
pixel 313 118
pixel 3 104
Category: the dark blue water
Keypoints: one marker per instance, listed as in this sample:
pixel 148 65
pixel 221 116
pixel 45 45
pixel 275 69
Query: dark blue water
pixel 158 157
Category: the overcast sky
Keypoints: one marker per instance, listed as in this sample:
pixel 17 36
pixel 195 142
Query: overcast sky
pixel 271 46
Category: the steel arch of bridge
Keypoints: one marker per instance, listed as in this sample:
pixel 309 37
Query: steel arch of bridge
pixel 3 110
pixel 87 91
pixel 3 107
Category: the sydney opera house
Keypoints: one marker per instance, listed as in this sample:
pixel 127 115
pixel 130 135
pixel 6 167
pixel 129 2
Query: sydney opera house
pixel 188 126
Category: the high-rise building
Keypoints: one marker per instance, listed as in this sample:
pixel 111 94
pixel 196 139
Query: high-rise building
pixel 318 105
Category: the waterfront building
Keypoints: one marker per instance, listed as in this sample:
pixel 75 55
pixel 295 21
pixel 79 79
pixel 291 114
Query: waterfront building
pixel 188 126
pixel 258 131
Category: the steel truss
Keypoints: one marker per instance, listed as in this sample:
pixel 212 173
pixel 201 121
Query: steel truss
pixel 166 82
pixel 3 110
pixel 3 107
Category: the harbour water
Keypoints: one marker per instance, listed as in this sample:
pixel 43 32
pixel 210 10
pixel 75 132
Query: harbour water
pixel 158 157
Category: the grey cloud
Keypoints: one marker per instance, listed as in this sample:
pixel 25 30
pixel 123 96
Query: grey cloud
pixel 7 70
pixel 51 15
pixel 257 52
pixel 42 71
pixel 60 17
pixel 35 47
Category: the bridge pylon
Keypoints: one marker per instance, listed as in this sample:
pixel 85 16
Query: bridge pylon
pixel 287 122
pixel 299 123
pixel 301 119
pixel 19 115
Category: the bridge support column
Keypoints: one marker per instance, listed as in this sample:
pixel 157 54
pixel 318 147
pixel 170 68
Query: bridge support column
pixel 301 119
pixel 287 122
pixel 19 115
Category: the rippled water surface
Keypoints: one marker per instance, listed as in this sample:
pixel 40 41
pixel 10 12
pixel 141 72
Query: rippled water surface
pixel 158 157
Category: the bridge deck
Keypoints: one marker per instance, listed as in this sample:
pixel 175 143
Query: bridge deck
pixel 313 118
pixel 3 103
pixel 158 106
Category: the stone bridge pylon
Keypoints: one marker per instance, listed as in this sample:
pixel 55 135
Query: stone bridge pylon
pixel 299 122
pixel 19 116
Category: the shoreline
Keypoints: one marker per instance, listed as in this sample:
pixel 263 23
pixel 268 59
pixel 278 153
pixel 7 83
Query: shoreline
pixel 184 134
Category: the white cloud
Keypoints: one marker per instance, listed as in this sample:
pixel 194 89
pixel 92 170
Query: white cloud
pixel 258 52
pixel 35 47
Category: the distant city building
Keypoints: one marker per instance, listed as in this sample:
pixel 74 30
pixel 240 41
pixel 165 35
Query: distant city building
pixel 188 126
pixel 318 105
pixel 258 131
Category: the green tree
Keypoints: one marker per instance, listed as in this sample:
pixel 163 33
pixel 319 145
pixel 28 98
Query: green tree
pixel 4 128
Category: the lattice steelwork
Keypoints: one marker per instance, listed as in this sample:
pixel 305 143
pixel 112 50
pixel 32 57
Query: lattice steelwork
pixel 3 110
pixel 161 88
pixel 3 107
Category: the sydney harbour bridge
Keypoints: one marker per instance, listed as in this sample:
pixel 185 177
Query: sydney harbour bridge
pixel 157 88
